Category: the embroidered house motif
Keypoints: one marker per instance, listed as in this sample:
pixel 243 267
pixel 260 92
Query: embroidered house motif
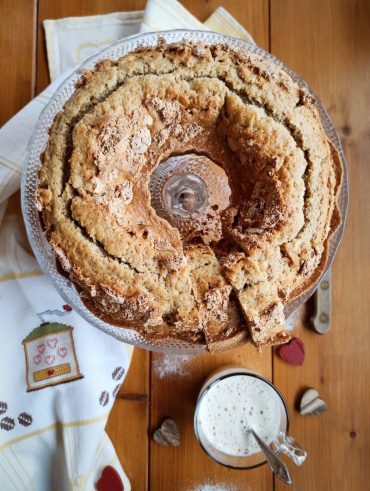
pixel 50 356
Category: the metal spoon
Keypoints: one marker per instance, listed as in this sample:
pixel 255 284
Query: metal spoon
pixel 278 467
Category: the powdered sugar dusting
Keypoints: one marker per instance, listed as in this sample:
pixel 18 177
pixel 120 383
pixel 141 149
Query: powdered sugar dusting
pixel 171 365
pixel 208 486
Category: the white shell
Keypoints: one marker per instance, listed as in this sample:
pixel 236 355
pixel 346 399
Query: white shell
pixel 311 403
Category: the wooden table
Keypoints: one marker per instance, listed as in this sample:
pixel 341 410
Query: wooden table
pixel 328 43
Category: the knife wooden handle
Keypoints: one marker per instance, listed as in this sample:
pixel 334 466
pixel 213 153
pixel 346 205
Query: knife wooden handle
pixel 321 319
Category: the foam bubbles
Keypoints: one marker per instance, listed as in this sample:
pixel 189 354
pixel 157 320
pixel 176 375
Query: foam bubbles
pixel 233 405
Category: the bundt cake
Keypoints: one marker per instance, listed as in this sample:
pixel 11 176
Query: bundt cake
pixel 130 265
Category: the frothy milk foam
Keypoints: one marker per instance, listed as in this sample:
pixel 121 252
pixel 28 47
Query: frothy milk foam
pixel 231 406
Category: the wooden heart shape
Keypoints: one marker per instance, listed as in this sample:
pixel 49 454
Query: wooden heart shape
pixel 110 480
pixel 167 434
pixel 293 352
pixel 311 403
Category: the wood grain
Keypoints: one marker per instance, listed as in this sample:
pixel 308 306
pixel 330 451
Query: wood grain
pixel 327 42
pixel 186 467
pixel 129 420
pixel 57 9
pixel 17 60
pixel 252 14
pixel 17 64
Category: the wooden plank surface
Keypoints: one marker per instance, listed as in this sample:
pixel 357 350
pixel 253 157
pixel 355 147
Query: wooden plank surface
pixel 328 43
pixel 175 385
pixel 17 41
pixel 128 425
pixel 129 419
pixel 17 80
pixel 187 467
pixel 58 9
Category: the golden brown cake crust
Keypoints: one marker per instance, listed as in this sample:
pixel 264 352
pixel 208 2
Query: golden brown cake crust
pixel 132 267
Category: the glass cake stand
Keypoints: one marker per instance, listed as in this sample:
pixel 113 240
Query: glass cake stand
pixel 178 196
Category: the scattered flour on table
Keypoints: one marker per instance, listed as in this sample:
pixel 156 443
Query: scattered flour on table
pixel 170 365
pixel 208 486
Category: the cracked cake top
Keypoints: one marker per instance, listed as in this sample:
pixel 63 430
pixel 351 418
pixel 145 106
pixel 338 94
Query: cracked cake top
pixel 131 266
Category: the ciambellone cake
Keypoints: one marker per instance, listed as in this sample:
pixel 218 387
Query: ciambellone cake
pixel 132 267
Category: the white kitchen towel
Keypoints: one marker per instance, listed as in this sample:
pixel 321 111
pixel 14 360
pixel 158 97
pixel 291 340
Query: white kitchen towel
pixel 59 375
pixel 71 40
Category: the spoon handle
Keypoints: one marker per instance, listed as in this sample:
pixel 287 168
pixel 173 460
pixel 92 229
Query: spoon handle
pixel 278 467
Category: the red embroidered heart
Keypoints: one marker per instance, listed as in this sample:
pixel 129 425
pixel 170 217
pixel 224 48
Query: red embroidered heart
pixel 49 359
pixel 52 342
pixel 37 359
pixel 62 352
pixel 109 480
pixel 293 352
pixel 41 348
pixel 51 372
pixel 68 308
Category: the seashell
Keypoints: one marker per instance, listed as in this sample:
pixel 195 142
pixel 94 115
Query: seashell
pixel 311 403
pixel 167 434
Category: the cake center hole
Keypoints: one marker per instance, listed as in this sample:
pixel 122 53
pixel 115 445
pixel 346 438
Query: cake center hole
pixel 185 194
pixel 190 191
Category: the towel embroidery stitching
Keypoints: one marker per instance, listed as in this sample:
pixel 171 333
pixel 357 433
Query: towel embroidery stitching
pixel 50 353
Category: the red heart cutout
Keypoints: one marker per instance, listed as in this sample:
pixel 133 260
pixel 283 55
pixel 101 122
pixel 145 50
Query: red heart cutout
pixel 109 480
pixel 292 352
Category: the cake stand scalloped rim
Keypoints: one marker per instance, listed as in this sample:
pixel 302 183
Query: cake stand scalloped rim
pixel 29 178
